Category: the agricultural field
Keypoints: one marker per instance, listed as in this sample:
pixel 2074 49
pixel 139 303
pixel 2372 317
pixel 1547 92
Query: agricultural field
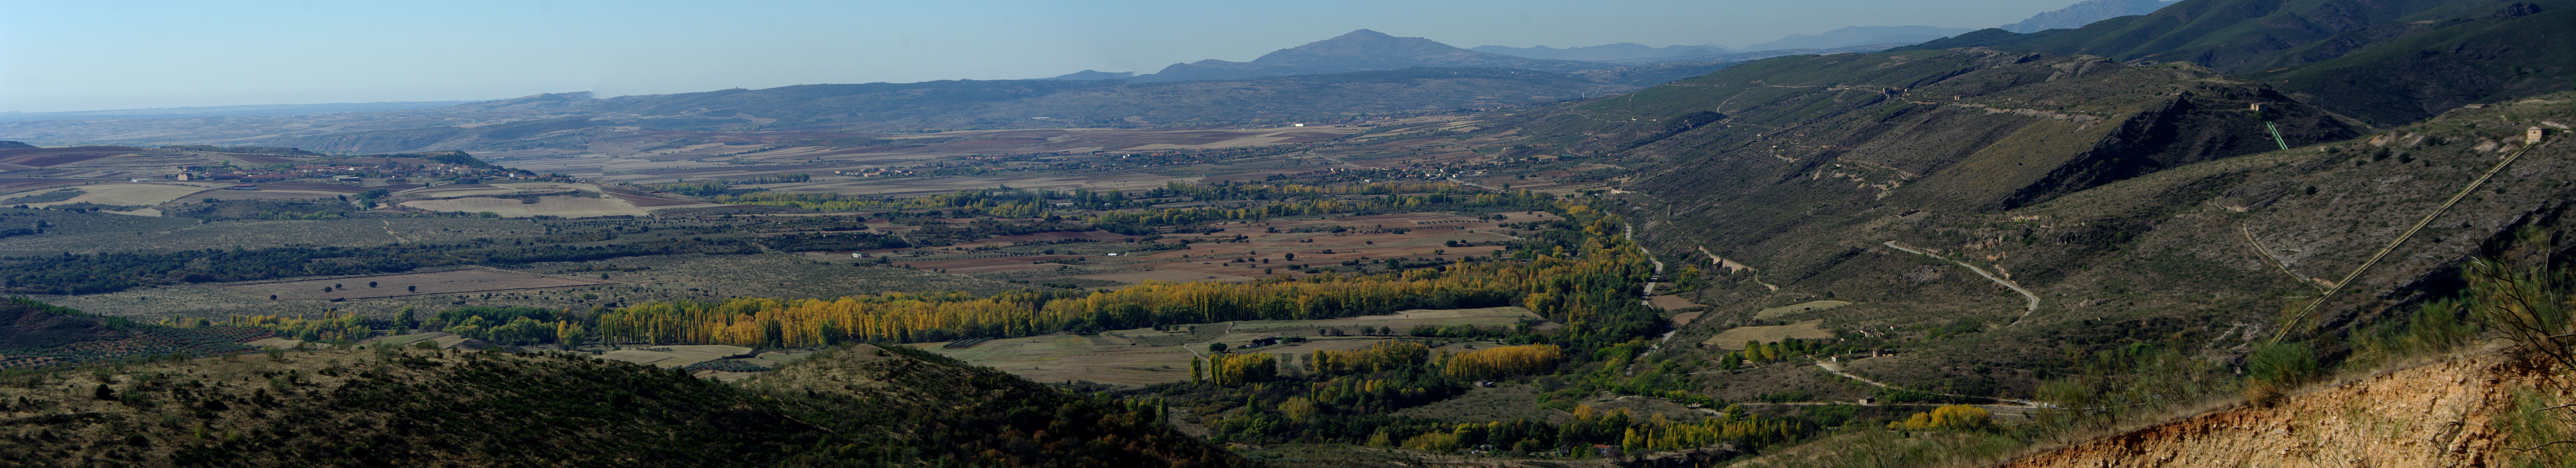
pixel 1365 244
pixel 568 207
pixel 1733 339
pixel 130 194
pixel 1145 356
pixel 458 281
pixel 99 233
pixel 1671 302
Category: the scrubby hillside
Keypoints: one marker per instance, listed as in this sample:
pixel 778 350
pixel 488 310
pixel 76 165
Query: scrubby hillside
pixel 35 334
pixel 2388 62
pixel 408 406
pixel 2208 252
pixel 2483 410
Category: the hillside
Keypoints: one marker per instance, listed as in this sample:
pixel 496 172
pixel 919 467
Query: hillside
pixel 389 406
pixel 1857 36
pixel 2083 13
pixel 2130 201
pixel 2385 62
pixel 2478 409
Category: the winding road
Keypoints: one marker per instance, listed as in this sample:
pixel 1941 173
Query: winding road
pixel 2027 309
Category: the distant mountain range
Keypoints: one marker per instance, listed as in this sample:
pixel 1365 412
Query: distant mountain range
pixel 2083 13
pixel 574 120
pixel 1619 51
pixel 1361 50
pixel 1860 35
pixel 1366 50
pixel 227 111
pixel 1089 75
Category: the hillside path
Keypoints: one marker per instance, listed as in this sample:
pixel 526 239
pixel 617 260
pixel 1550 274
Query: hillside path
pixel 2027 309
pixel 1837 369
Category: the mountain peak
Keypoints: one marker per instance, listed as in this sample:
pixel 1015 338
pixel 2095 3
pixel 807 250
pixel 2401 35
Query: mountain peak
pixel 1359 50
pixel 1364 43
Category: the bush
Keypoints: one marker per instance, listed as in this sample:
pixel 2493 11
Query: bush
pixel 2275 367
pixel 1952 417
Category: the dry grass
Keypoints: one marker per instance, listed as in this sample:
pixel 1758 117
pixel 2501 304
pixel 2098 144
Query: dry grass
pixel 1061 357
pixel 1733 339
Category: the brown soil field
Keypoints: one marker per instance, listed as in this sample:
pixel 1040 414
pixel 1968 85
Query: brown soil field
pixel 1099 358
pixel 1168 276
pixel 43 157
pixel 19 184
pixel 972 265
pixel 459 281
pixel 1734 338
pixel 1673 303
pixel 1425 241
pixel 1686 318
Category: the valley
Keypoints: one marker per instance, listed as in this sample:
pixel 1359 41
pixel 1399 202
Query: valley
pixel 2122 242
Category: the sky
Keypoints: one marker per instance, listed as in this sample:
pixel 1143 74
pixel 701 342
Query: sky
pixel 107 54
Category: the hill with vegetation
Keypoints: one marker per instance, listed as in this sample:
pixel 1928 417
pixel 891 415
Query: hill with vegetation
pixel 2387 63
pixel 385 405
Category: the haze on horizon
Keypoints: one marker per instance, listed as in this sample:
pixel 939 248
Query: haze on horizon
pixel 77 56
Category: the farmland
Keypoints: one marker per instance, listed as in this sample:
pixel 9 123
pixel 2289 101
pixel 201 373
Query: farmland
pixel 460 281
pixel 1114 267
pixel 1734 338
pixel 1146 356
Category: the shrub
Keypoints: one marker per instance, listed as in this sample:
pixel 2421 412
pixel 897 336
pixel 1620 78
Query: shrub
pixel 1952 417
pixel 2275 367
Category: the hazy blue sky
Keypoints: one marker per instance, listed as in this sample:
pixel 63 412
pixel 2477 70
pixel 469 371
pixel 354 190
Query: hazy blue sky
pixel 105 54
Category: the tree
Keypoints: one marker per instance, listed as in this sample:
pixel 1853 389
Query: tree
pixel 1216 347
